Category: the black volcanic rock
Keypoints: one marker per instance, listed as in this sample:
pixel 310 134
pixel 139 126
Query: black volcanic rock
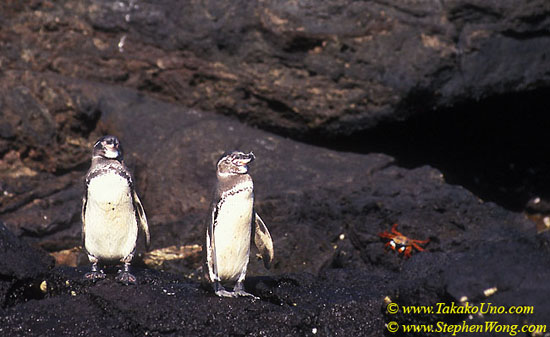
pixel 324 209
pixel 155 73
pixel 162 304
pixel 20 267
pixel 336 67
pixel 311 68
pixel 18 260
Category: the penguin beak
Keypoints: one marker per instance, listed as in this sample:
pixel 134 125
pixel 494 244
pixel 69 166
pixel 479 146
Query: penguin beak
pixel 111 147
pixel 244 159
pixel 111 150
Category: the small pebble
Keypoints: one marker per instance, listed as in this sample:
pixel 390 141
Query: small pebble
pixel 490 291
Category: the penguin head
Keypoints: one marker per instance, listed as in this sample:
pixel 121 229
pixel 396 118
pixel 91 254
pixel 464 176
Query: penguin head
pixel 234 163
pixel 108 147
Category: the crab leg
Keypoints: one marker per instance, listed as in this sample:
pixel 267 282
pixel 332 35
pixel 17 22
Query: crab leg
pixel 394 229
pixel 420 249
pixel 408 252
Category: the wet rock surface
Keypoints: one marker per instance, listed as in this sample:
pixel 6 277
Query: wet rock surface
pixel 158 75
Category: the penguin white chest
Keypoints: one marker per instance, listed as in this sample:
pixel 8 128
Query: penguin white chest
pixel 232 234
pixel 110 221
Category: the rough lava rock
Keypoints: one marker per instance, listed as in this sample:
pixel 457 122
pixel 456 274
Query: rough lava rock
pixel 20 267
pixel 337 67
pixel 159 73
pixel 306 68
pixel 324 210
pixel 163 304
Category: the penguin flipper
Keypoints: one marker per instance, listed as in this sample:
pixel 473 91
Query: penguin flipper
pixel 84 202
pixel 142 219
pixel 211 263
pixel 263 241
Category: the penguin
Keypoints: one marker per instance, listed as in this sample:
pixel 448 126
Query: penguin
pixel 231 224
pixel 111 212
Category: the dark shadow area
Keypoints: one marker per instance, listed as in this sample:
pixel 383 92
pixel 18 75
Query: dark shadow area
pixel 497 148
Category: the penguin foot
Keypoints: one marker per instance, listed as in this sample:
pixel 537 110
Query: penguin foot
pixel 221 292
pixel 225 293
pixel 125 277
pixel 94 275
pixel 233 294
pixel 239 290
pixel 243 293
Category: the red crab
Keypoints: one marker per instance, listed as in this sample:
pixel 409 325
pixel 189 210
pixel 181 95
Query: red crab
pixel 401 243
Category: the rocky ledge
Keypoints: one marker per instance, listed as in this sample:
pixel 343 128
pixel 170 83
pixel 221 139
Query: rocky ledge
pixel 328 68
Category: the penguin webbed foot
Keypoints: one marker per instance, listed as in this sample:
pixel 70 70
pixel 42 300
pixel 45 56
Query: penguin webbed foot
pixel 126 277
pixel 220 291
pixel 94 275
pixel 242 293
pixel 225 293
pixel 238 291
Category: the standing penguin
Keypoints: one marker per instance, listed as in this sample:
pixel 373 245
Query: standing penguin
pixel 111 211
pixel 230 227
